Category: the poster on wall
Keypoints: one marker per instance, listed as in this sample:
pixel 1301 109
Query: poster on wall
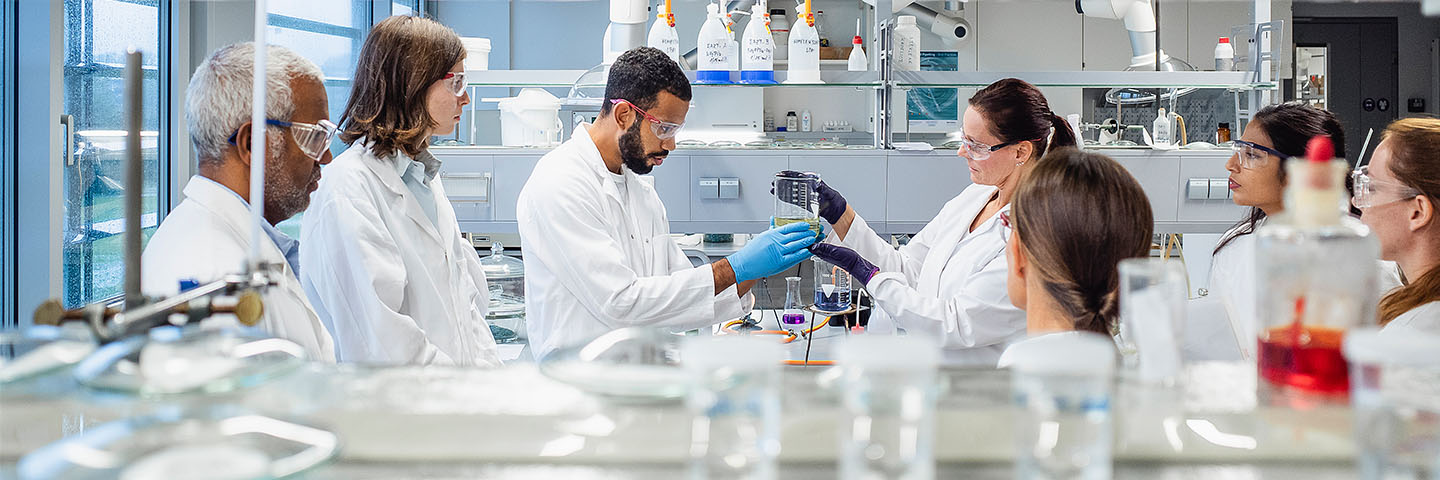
pixel 935 110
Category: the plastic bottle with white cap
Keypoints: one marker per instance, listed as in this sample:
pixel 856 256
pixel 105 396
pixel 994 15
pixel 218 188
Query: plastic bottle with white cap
pixel 888 392
pixel 1062 387
pixel 734 401
pixel 907 44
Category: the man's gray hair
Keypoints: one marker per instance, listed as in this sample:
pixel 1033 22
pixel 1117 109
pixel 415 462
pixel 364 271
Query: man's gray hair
pixel 218 100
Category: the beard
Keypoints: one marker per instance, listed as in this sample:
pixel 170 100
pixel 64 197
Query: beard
pixel 632 151
pixel 283 197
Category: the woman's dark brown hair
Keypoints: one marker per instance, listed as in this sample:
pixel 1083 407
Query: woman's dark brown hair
pixel 1290 126
pixel 1415 162
pixel 1078 214
pixel 1017 112
pixel 401 58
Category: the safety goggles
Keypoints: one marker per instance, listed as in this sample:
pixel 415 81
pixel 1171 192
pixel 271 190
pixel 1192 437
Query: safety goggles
pixel 455 81
pixel 978 151
pixel 1252 154
pixel 1367 192
pixel 663 129
pixel 313 138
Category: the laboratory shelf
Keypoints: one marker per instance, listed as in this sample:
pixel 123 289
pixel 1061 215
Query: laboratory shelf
pixel 1087 79
pixel 522 78
pixel 567 78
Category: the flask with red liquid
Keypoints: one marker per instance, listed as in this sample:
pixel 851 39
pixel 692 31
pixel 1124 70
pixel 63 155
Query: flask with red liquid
pixel 1317 277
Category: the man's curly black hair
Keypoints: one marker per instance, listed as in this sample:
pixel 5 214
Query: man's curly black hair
pixel 639 76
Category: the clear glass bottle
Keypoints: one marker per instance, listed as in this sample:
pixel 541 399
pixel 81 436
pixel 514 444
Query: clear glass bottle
pixel 505 276
pixel 1317 268
pixel 734 403
pixel 888 392
pixel 1062 388
pixel 793 317
pixel 832 287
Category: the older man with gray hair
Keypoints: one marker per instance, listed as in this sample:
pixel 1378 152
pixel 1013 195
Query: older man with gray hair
pixel 208 235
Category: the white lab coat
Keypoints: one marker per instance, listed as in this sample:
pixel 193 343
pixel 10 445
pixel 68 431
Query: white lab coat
pixel 597 259
pixel 393 287
pixel 208 237
pixel 1235 286
pixel 948 282
pixel 1424 318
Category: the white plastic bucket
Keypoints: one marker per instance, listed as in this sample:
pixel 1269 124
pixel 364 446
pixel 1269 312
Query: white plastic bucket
pixel 477 53
pixel 530 119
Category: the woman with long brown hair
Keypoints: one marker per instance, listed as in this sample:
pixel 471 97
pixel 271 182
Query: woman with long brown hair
pixel 383 260
pixel 949 281
pixel 1398 194
pixel 1074 217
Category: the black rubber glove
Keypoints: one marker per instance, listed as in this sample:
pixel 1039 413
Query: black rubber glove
pixel 847 260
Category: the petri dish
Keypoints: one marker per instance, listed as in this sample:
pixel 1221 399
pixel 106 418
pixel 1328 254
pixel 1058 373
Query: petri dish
pixel 171 361
pixel 629 364
pixel 42 349
pixel 169 445
pixel 724 144
pixel 759 144
pixel 690 144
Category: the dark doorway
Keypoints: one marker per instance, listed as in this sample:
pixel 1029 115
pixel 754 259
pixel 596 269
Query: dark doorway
pixel 1359 82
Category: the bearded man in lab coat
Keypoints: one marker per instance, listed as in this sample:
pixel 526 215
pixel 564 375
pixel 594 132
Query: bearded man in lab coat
pixel 208 235
pixel 598 251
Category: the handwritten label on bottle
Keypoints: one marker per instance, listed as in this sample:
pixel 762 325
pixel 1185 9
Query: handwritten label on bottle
pixel 804 46
pixel 759 52
pixel 716 55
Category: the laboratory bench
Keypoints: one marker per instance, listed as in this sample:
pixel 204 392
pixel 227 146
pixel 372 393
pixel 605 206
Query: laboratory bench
pixel 515 422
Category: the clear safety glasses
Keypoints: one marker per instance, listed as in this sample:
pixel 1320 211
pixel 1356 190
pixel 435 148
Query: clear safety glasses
pixel 1368 192
pixel 662 129
pixel 978 151
pixel 455 81
pixel 1252 154
pixel 313 138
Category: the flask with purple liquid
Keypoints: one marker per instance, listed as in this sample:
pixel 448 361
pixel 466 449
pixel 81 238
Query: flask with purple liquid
pixel 793 317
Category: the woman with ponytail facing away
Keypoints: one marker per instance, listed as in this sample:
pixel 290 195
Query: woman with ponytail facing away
pixel 1074 217
pixel 949 281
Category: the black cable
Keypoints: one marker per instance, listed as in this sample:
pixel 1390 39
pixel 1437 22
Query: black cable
pixel 809 337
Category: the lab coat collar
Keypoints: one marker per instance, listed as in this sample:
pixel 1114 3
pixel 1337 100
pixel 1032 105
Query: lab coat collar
pixel 232 209
pixel 591 154
pixel 426 161
pixel 974 197
pixel 289 247
pixel 388 170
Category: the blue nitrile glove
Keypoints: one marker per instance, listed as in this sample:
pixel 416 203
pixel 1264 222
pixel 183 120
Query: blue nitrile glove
pixel 847 260
pixel 832 204
pixel 772 252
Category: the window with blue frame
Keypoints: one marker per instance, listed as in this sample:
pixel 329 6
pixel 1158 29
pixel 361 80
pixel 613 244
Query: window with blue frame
pixel 7 166
pixel 97 34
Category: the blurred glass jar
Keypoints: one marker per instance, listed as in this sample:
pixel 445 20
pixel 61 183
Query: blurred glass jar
pixel 506 277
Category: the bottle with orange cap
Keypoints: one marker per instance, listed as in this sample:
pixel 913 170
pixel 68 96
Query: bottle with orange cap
pixel 662 33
